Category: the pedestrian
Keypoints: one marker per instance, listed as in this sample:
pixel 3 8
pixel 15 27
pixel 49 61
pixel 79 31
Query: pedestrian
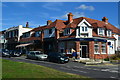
pixel 74 54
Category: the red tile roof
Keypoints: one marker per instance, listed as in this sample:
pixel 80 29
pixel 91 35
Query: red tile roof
pixel 38 28
pixel 60 25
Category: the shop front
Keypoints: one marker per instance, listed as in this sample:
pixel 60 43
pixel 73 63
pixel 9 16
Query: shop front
pixel 85 48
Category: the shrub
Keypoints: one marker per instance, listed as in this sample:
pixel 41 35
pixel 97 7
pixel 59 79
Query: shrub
pixel 115 57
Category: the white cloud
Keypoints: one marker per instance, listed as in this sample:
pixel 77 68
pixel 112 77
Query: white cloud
pixel 85 7
pixel 53 6
pixel 79 14
pixel 76 15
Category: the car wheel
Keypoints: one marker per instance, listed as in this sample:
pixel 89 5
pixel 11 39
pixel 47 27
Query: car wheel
pixel 27 57
pixel 37 58
pixel 59 61
pixel 48 60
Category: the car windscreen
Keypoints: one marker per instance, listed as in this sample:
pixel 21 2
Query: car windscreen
pixel 5 50
pixel 38 53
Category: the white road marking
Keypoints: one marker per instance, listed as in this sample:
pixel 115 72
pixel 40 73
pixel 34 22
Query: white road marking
pixel 112 77
pixel 114 71
pixel 104 69
pixel 78 71
pixel 96 69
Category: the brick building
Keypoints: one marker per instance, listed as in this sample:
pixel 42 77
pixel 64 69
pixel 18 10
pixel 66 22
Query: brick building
pixel 90 38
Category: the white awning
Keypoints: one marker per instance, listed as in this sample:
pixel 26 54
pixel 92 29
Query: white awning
pixel 23 45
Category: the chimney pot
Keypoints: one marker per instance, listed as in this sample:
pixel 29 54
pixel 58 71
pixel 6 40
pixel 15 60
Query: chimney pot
pixel 104 19
pixel 49 22
pixel 70 17
pixel 27 24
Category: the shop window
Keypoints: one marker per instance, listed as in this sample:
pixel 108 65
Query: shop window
pixel 96 48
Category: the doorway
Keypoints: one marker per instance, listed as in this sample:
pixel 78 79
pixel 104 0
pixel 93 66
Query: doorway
pixel 84 51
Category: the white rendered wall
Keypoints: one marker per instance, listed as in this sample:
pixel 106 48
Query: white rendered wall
pixel 111 48
pixel 80 25
pixel 116 41
pixel 22 30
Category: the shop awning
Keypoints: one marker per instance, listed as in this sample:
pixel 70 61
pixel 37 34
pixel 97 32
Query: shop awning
pixel 23 45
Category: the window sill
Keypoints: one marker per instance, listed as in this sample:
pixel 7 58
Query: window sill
pixel 103 53
pixel 96 53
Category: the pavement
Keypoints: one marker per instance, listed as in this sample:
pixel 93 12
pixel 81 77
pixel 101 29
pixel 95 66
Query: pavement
pixel 98 72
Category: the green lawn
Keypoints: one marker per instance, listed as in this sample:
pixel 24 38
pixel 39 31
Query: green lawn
pixel 11 69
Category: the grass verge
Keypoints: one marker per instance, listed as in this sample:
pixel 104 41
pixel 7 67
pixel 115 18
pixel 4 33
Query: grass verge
pixel 12 69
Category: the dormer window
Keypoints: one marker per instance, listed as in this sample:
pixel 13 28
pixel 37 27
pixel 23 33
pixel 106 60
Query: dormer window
pixel 50 31
pixel 101 31
pixel 109 33
pixel 37 33
pixel 84 29
pixel 67 31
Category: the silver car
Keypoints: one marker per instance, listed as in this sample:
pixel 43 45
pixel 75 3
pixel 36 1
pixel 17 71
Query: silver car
pixel 36 55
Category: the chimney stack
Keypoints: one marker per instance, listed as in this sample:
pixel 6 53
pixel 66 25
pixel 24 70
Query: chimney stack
pixel 104 19
pixel 27 24
pixel 49 22
pixel 70 17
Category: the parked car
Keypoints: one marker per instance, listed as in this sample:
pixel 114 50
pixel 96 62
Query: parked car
pixel 14 53
pixel 5 53
pixel 37 55
pixel 57 57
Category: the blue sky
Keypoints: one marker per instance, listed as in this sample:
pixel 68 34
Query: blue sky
pixel 37 13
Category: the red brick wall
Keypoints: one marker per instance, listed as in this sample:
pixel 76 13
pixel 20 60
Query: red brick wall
pixel 99 56
pixel 42 35
pixel 56 34
pixel 91 49
pixel 77 44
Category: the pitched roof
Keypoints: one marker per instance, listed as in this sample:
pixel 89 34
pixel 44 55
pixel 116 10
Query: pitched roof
pixel 60 24
pixel 38 28
pixel 97 23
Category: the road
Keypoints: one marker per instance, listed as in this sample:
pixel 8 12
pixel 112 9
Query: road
pixel 98 72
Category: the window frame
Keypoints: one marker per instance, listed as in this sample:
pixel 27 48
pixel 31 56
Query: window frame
pixel 67 31
pixel 101 31
pixel 98 47
pixel 50 31
pixel 109 33
pixel 37 33
pixel 103 46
